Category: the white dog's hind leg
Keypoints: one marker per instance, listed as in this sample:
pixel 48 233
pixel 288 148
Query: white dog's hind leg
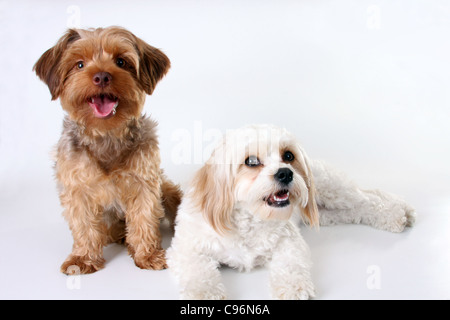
pixel 341 201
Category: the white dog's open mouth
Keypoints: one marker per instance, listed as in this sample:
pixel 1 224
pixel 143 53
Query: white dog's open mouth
pixel 279 199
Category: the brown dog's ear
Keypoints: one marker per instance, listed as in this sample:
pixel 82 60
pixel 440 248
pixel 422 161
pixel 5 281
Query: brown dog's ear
pixel 154 64
pixel 47 66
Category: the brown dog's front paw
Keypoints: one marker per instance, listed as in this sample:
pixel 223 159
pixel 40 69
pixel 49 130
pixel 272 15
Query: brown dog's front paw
pixel 75 265
pixel 155 260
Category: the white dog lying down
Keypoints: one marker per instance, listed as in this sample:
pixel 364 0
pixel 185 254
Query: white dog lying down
pixel 242 206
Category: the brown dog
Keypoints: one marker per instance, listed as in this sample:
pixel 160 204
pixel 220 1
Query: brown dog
pixel 108 161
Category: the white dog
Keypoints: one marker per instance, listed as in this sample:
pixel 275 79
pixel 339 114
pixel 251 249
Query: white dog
pixel 242 207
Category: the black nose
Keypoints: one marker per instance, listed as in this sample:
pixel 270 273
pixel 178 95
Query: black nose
pixel 284 175
pixel 102 79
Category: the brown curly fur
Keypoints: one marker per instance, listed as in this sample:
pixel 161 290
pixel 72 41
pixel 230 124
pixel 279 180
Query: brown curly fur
pixel 108 170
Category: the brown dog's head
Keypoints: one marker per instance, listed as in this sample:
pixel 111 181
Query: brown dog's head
pixel 101 75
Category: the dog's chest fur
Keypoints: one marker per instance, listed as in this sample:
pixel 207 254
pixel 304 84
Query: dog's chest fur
pixel 111 151
pixel 252 241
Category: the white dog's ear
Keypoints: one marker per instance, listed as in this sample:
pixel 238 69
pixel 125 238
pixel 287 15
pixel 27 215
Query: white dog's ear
pixel 310 212
pixel 214 195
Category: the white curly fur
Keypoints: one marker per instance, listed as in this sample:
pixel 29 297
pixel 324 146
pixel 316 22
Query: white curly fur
pixel 252 239
pixel 341 201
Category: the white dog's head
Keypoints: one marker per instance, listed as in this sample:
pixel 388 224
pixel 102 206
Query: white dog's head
pixel 260 168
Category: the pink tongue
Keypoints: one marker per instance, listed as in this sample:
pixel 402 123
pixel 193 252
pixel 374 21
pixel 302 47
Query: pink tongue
pixel 102 106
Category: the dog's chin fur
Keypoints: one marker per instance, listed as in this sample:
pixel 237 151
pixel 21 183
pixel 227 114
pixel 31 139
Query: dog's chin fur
pixel 107 160
pixel 253 187
pixel 252 195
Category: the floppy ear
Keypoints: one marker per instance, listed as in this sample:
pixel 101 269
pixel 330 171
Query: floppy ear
pixel 154 65
pixel 48 64
pixel 310 212
pixel 214 195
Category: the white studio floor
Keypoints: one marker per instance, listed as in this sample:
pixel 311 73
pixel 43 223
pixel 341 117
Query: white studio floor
pixel 363 84
pixel 350 262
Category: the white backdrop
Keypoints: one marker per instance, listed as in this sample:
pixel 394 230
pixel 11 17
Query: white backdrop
pixel 363 84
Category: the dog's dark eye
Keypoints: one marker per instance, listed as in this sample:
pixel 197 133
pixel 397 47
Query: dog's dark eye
pixel 80 64
pixel 252 161
pixel 120 62
pixel 288 156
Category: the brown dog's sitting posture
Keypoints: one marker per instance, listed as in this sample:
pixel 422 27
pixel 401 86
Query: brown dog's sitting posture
pixel 107 160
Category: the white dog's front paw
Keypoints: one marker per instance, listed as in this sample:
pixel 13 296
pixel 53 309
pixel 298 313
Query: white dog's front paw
pixel 294 291
pixel 210 293
pixel 295 295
